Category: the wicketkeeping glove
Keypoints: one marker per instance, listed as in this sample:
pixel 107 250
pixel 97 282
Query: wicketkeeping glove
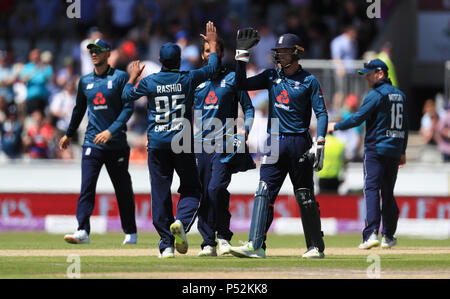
pixel 246 39
pixel 316 154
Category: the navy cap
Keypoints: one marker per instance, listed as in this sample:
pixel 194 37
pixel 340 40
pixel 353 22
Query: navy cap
pixel 289 41
pixel 170 54
pixel 99 43
pixel 373 65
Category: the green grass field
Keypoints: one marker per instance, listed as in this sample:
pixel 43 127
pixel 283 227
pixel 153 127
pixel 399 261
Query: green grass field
pixel 40 255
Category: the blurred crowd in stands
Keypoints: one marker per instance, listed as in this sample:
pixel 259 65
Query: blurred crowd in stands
pixel 43 54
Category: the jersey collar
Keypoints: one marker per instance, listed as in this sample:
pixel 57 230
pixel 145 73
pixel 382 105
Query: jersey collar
pixel 382 81
pixel 280 71
pixel 165 69
pixel 106 73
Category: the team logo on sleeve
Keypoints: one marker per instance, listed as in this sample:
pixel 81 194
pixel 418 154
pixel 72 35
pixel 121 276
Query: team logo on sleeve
pixel 283 100
pixel 100 102
pixel 320 92
pixel 211 100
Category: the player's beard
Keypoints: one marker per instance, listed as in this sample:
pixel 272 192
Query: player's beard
pixel 101 63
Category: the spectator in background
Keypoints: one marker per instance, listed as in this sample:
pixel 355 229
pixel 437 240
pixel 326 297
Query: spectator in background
pixel 442 135
pixel 62 106
pixel 262 51
pixel 39 136
pixel 154 38
pixel 429 122
pixel 11 134
pixel 344 48
pixel 190 54
pixel 333 164
pixel 3 108
pixel 352 138
pixel 121 57
pixel 7 79
pixel 36 77
pixel 385 55
pixel 138 152
pixel 20 23
pixel 349 12
pixel 88 15
pixel 297 23
pixel 47 12
pixel 123 16
pixel 190 58
pixel 181 38
pixel 67 73
pixel 6 10
pixel 275 12
pixel 47 66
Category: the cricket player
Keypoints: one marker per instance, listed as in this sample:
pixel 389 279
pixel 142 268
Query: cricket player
pixel 170 99
pixel 105 142
pixel 217 102
pixel 293 94
pixel 385 111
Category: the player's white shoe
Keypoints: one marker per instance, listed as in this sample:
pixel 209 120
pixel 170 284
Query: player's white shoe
pixel 370 243
pixel 130 239
pixel 247 250
pixel 208 251
pixel 313 253
pixel 177 230
pixel 167 253
pixel 224 246
pixel 79 237
pixel 387 243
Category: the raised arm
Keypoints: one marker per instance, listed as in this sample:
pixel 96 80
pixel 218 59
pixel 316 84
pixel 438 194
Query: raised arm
pixel 247 39
pixel 204 73
pixel 370 103
pixel 248 109
pixel 132 92
pixel 253 83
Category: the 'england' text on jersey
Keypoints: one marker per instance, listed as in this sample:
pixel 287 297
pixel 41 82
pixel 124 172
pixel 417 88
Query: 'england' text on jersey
pixel 168 88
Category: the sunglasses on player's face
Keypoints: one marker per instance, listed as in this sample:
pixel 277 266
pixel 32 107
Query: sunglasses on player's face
pixel 96 51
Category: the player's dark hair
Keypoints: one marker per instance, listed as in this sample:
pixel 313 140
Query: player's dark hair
pixel 172 64
pixel 220 45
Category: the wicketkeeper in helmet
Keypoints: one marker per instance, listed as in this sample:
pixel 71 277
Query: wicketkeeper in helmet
pixel 293 94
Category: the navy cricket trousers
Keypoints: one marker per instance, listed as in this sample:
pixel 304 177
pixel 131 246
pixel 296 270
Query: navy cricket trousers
pixel 380 175
pixel 291 150
pixel 214 215
pixel 161 164
pixel 116 163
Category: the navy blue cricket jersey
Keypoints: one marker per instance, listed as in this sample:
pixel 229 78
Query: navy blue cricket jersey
pixel 291 99
pixel 385 111
pixel 170 99
pixel 101 95
pixel 218 99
